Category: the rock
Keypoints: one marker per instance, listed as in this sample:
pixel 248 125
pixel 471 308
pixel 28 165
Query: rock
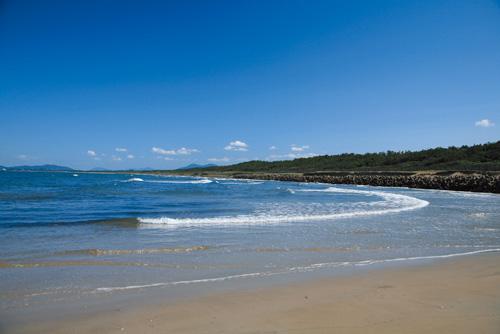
pixel 455 181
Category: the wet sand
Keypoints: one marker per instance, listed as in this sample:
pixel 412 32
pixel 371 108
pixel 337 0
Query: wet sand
pixel 460 295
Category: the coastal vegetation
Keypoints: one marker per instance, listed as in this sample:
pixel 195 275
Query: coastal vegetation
pixel 484 157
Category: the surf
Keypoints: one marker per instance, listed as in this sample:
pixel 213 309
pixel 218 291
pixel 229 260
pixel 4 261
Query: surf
pixel 395 203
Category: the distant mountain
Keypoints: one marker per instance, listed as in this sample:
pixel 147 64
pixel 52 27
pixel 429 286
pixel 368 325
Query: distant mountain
pixel 101 169
pixel 194 166
pixel 40 168
pixel 142 169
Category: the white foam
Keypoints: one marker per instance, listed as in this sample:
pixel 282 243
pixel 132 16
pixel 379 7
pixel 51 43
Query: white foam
pixel 197 181
pixel 308 268
pixel 402 259
pixel 234 181
pixel 395 203
pixel 135 179
pixel 238 180
pixel 458 193
pixel 205 280
pixel 202 181
pixel 486 229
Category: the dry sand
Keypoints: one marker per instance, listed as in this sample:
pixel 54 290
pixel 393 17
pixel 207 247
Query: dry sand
pixel 459 295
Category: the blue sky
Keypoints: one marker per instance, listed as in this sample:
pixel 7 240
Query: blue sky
pixel 124 84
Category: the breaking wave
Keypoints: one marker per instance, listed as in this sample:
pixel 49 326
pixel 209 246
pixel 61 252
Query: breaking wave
pixel 135 179
pixel 201 181
pixel 392 203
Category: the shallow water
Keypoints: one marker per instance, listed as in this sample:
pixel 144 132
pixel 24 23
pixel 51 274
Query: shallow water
pixel 64 236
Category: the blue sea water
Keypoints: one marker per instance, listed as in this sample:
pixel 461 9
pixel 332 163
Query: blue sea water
pixel 68 235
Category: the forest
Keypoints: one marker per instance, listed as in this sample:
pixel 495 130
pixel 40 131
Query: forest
pixel 483 157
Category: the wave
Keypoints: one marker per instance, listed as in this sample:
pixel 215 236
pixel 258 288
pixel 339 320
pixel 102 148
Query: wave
pixel 205 280
pixel 398 259
pixel 479 215
pixel 404 202
pixel 105 263
pixel 398 203
pixel 202 181
pixel 241 183
pixel 122 222
pixel 238 180
pixel 134 179
pixel 308 268
pixel 233 181
pixel 161 250
pixel 485 229
pixel 457 193
pixel 197 181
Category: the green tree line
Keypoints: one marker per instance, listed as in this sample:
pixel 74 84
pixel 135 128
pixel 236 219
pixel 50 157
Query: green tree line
pixel 484 157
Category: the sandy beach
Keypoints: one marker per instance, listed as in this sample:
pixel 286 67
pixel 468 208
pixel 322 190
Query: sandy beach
pixel 249 167
pixel 460 295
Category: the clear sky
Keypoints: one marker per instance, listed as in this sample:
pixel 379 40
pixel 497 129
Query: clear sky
pixel 123 84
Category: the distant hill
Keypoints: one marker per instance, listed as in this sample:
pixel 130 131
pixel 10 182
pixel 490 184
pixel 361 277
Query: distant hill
pixel 196 166
pixel 40 168
pixel 485 157
pixel 144 169
pixel 101 169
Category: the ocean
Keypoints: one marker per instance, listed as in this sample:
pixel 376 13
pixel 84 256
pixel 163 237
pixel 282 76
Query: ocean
pixel 83 236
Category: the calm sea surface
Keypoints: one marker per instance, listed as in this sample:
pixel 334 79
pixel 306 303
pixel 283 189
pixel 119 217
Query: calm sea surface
pixel 65 235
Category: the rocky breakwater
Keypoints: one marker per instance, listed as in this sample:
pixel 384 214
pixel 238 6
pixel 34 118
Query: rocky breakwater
pixel 477 182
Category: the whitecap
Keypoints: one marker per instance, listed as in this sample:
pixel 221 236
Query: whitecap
pixel 479 215
pixel 485 229
pixel 135 179
pixel 201 181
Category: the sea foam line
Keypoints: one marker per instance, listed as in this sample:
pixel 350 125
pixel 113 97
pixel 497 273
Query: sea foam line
pixel 200 181
pixel 405 203
pixel 134 179
pixel 293 269
pixel 205 280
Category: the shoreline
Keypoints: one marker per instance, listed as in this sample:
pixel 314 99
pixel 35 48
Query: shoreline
pixel 466 282
pixel 482 182
pixel 456 181
pixel 468 181
pixel 460 295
